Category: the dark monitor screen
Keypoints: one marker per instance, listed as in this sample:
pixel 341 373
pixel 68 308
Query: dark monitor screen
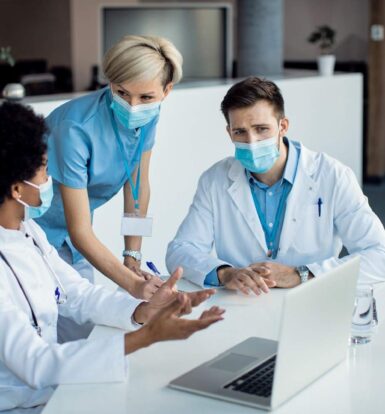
pixel 201 34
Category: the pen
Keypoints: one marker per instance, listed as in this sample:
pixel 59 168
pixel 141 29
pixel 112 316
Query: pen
pixel 319 207
pixel 153 268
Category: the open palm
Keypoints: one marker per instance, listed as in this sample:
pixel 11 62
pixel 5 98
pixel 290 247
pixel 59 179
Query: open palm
pixel 168 292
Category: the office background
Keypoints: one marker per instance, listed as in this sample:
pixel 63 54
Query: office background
pixel 64 39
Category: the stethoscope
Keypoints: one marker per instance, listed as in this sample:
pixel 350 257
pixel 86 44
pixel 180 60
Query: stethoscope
pixel 60 293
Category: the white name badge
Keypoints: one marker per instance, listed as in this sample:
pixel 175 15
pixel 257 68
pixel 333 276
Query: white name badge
pixel 133 225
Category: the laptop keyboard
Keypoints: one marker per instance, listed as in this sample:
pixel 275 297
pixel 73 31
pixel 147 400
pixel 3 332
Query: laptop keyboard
pixel 258 381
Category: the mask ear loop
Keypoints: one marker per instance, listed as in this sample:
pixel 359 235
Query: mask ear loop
pixel 32 184
pixel 279 139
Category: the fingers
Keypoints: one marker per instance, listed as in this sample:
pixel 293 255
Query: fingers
pixel 207 318
pixel 213 311
pixel 173 279
pixel 154 280
pixel 261 268
pixel 260 282
pixel 176 306
pixel 200 296
pixel 241 286
pixel 147 276
pixel 187 308
pixel 270 283
pixel 246 280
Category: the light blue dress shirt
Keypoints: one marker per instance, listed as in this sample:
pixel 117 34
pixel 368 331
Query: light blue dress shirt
pixel 268 199
pixel 83 153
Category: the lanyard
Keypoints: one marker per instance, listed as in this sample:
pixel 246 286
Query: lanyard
pixel 34 319
pixel 134 188
pixel 271 234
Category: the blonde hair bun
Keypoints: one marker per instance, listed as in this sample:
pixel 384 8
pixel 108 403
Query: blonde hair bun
pixel 136 58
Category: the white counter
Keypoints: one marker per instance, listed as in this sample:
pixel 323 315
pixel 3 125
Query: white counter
pixel 324 113
pixel 353 387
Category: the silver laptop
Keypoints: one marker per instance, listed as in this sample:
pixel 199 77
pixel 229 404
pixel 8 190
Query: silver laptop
pixel 314 331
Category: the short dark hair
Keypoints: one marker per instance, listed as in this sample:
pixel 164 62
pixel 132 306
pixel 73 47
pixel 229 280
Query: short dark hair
pixel 22 145
pixel 251 90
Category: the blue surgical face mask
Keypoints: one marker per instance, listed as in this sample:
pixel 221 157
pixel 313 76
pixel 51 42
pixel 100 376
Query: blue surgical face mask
pixel 136 116
pixel 46 195
pixel 258 157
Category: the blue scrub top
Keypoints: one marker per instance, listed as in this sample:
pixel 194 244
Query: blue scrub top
pixel 83 152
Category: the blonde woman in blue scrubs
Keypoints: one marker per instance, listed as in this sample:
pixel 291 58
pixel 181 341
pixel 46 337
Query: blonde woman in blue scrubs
pixel 98 144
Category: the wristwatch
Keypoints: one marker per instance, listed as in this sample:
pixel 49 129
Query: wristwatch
pixel 134 254
pixel 303 272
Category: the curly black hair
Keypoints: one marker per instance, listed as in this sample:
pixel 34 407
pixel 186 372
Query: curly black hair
pixel 22 145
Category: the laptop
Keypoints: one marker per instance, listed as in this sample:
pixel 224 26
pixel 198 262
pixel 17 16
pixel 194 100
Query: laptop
pixel 314 332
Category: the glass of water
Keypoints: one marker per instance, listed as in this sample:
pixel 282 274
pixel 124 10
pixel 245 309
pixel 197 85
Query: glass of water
pixel 363 316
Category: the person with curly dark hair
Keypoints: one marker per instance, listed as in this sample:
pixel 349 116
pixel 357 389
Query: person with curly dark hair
pixel 20 158
pixel 36 285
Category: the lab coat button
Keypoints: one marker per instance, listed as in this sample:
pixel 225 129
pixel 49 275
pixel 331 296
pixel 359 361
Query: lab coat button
pixel 294 219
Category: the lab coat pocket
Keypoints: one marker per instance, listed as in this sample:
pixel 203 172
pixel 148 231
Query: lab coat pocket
pixel 314 230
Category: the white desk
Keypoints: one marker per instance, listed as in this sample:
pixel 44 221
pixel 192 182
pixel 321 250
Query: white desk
pixel 355 386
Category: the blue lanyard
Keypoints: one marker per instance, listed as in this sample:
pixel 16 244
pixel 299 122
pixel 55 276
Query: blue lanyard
pixel 134 188
pixel 271 234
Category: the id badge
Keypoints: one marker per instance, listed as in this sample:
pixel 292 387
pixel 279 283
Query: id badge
pixel 134 225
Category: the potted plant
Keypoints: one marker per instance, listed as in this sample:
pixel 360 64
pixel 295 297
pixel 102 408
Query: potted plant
pixel 12 91
pixel 5 56
pixel 324 36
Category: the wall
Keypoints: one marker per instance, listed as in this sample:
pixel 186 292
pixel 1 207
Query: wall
pixel 187 145
pixel 85 32
pixel 349 17
pixel 65 31
pixel 37 29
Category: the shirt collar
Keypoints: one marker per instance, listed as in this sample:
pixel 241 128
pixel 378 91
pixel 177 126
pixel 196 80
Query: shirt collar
pixel 290 167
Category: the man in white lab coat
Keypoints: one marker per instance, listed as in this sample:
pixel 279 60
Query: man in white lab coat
pixel 277 213
pixel 36 285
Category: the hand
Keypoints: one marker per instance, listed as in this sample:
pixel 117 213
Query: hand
pixel 167 324
pixel 134 265
pixel 167 294
pixel 283 276
pixel 144 288
pixel 246 279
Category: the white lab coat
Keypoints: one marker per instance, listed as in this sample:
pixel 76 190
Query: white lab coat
pixel 223 216
pixel 31 365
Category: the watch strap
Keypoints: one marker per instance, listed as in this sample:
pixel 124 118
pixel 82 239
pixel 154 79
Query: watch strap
pixel 135 254
pixel 303 272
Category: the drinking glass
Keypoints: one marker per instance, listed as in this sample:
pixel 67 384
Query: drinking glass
pixel 363 321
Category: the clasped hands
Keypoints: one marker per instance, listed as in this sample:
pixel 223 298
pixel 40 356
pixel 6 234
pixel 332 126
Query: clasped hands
pixel 258 277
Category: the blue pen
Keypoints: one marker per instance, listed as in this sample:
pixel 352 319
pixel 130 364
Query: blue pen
pixel 153 268
pixel 319 206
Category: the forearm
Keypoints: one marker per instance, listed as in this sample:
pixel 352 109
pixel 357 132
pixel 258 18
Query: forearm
pixel 137 340
pixel 102 258
pixel 371 265
pixel 135 242
pixel 195 262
